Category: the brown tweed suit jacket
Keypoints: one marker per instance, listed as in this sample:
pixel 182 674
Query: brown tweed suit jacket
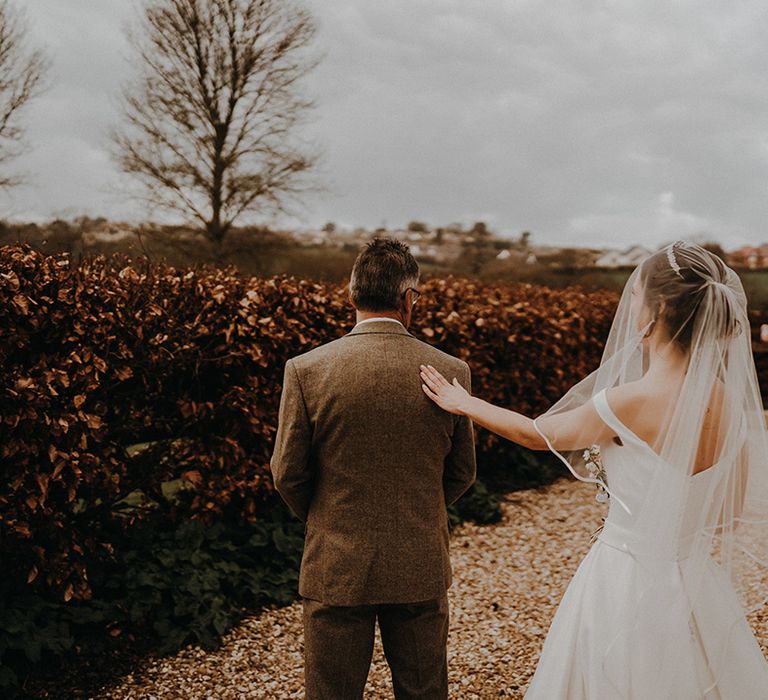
pixel 370 464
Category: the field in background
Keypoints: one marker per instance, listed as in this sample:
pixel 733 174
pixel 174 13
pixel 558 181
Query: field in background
pixel 263 253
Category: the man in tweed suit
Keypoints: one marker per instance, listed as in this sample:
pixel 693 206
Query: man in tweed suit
pixel 370 464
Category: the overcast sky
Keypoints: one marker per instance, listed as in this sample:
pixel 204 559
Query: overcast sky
pixel 583 122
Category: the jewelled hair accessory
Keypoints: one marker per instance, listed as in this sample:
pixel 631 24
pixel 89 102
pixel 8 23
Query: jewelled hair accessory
pixel 672 260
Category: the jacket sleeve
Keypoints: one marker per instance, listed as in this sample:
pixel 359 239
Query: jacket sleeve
pixel 291 460
pixel 460 469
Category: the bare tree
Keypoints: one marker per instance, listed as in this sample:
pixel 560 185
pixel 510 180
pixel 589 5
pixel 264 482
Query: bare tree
pixel 21 76
pixel 210 125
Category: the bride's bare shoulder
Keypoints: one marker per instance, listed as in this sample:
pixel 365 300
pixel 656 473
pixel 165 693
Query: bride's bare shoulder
pixel 641 394
pixel 627 397
pixel 642 405
pixel 635 404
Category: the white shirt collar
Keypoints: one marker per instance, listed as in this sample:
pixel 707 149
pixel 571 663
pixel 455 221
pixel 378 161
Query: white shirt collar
pixel 379 318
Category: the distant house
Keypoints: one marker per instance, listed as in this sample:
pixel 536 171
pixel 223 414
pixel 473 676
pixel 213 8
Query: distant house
pixel 425 251
pixel 750 256
pixel 623 258
pixel 518 256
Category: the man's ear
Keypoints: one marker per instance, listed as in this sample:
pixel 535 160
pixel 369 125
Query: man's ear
pixel 406 310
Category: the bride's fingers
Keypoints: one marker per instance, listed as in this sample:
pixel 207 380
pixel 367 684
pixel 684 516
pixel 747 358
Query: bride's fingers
pixel 429 393
pixel 437 381
pixel 429 381
pixel 439 378
pixel 436 376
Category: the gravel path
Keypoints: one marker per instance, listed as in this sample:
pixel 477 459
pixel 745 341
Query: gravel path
pixel 508 579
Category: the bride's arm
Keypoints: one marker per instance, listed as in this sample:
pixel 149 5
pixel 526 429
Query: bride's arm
pixel 502 421
pixel 570 430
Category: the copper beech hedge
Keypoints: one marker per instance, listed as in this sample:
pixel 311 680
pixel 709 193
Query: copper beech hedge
pixel 113 351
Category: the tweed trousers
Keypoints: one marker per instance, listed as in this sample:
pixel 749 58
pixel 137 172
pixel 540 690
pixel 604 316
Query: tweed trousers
pixel 339 641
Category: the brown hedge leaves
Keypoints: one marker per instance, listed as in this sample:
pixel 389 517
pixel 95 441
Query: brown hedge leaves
pixel 112 352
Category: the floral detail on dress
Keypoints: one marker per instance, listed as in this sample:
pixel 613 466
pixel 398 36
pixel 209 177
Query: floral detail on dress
pixel 595 468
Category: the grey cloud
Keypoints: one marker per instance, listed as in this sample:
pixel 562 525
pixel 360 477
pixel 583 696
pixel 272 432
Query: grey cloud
pixel 589 121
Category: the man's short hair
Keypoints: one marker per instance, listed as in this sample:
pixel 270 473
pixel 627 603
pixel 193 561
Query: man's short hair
pixel 382 272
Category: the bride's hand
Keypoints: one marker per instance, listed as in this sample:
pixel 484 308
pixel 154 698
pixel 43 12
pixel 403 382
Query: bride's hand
pixel 450 397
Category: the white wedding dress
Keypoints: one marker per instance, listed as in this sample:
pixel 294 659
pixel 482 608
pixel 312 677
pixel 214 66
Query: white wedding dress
pixel 587 654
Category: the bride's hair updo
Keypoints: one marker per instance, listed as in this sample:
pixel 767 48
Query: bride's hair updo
pixel 682 276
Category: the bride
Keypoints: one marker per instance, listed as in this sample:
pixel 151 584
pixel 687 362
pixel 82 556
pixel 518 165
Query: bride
pixel 670 429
